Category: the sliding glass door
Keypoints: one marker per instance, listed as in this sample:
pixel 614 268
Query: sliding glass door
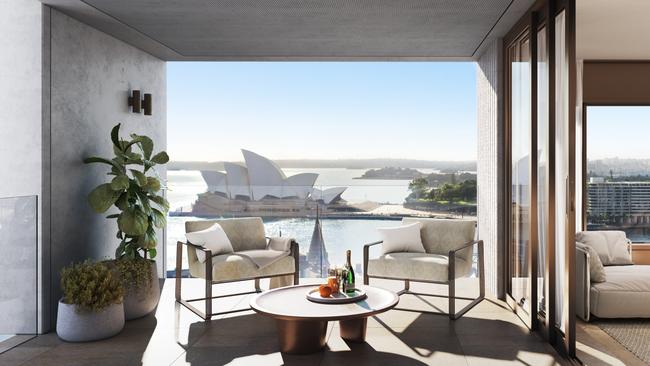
pixel 539 60
pixel 520 238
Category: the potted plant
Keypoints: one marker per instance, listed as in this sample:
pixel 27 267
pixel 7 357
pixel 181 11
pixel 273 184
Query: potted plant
pixel 91 307
pixel 134 190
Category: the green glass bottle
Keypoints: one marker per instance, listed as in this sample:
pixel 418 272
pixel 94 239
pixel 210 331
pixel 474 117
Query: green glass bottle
pixel 349 279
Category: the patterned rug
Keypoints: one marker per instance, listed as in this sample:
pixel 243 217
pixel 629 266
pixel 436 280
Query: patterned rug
pixel 633 334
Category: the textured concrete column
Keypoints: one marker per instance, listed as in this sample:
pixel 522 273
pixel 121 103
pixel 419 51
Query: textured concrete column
pixel 490 165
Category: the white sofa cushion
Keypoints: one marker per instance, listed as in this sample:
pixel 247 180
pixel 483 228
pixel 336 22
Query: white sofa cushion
pixel 625 294
pixel 611 246
pixel 235 266
pixel 416 266
pixel 212 238
pixel 401 239
pixel 596 269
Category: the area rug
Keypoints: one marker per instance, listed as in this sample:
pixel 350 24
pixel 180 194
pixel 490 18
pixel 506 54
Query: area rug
pixel 633 334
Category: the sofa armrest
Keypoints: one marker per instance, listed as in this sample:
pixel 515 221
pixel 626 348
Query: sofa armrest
pixel 583 284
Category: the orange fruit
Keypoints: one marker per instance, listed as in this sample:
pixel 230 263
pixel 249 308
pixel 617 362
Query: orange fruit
pixel 325 291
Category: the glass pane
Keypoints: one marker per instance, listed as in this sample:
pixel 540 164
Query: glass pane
pixel 542 164
pixel 561 161
pixel 618 166
pixel 520 162
pixel 18 259
pixel 315 150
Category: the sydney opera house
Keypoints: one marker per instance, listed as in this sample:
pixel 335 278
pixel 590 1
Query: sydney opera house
pixel 259 182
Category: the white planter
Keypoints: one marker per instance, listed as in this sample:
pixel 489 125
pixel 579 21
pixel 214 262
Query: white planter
pixel 140 302
pixel 85 326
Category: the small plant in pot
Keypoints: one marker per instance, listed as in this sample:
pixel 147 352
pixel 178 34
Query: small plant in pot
pixel 134 190
pixel 91 308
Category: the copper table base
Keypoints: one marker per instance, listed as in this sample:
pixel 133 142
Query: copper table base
pixel 309 336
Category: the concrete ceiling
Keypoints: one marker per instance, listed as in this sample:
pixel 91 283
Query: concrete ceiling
pixel 613 30
pixel 301 29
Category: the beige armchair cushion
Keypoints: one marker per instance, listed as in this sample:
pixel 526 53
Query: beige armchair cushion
pixel 234 266
pixel 611 246
pixel 439 236
pixel 244 233
pixel 416 266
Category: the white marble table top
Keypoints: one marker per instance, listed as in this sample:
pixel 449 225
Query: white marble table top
pixel 290 303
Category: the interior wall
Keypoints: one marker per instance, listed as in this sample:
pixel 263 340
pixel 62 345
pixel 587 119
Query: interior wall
pixel 490 168
pixel 616 82
pixel 91 75
pixel 20 133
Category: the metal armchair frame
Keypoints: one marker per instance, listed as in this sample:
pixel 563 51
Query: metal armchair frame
pixel 208 314
pixel 451 279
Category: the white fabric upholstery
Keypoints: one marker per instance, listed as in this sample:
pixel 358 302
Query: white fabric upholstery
pixel 596 268
pixel 212 238
pixel 236 266
pixel 264 257
pixel 401 239
pixel 439 236
pixel 282 244
pixel 416 266
pixel 245 233
pixel 611 246
pixel 247 238
pixel 625 294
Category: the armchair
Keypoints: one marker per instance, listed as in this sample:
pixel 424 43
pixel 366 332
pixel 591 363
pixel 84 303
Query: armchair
pixel 246 235
pixel 448 245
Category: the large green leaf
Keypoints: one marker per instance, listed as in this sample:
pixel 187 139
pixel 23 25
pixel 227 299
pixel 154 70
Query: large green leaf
pixel 148 240
pixel 152 253
pixel 140 178
pixel 102 197
pixel 161 201
pixel 145 143
pixel 120 183
pixel 96 159
pixel 115 135
pixel 133 221
pixel 123 201
pixel 159 218
pixel 160 158
pixel 153 185
pixel 144 201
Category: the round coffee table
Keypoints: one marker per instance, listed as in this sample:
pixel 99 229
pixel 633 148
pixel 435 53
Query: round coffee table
pixel 302 324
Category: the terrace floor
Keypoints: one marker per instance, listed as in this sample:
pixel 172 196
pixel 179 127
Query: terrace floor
pixel 490 334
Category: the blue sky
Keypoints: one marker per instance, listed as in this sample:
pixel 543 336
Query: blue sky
pixel 309 110
pixel 621 131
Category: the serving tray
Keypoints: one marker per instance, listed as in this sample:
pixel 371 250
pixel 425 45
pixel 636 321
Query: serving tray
pixel 336 298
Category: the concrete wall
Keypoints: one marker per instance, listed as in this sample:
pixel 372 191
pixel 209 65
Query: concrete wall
pixel 490 165
pixel 91 75
pixel 21 33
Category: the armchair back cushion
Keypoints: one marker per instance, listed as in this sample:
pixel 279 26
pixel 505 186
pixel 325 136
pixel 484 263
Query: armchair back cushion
pixel 439 236
pixel 244 233
pixel 611 246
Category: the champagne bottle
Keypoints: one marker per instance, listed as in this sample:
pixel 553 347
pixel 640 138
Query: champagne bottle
pixel 349 279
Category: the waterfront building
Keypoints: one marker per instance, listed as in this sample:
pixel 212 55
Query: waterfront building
pixel 619 203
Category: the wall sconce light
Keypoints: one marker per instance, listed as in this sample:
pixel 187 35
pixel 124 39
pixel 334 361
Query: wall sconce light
pixel 137 104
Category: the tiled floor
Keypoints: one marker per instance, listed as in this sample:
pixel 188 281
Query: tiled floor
pixel 490 334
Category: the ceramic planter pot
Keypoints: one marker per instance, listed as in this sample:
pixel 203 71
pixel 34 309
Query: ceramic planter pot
pixel 139 302
pixel 86 326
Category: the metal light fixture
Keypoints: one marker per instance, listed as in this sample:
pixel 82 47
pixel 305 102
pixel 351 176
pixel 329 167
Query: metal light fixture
pixel 137 104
